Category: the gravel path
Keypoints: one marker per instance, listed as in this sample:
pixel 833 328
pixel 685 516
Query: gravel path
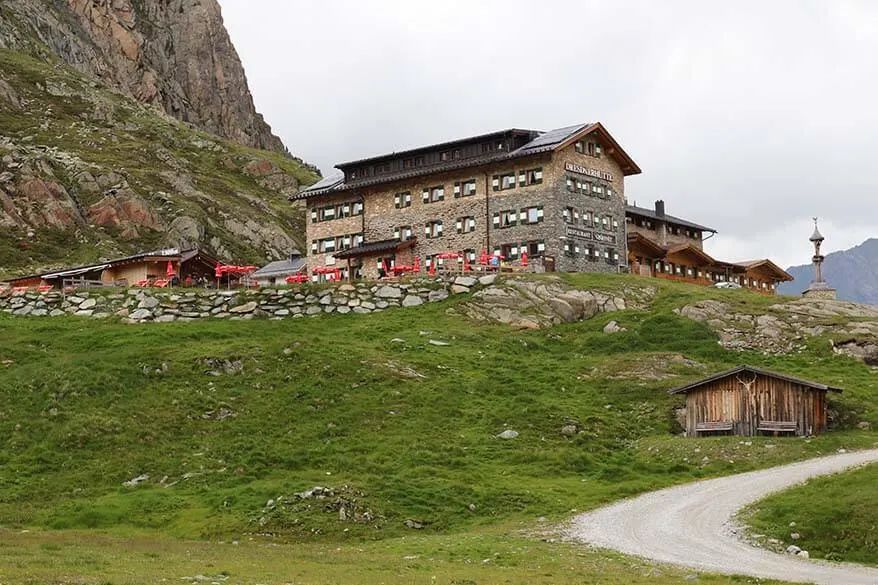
pixel 690 525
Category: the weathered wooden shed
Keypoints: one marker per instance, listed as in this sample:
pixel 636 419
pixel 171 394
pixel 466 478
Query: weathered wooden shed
pixel 751 401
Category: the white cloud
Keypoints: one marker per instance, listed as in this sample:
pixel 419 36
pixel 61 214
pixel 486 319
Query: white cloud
pixel 749 116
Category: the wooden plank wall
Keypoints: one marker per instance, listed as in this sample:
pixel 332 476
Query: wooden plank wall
pixel 767 399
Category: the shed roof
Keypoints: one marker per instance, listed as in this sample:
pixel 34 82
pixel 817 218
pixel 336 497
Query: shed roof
pixel 755 370
pixel 281 267
pixel 374 248
pixel 650 213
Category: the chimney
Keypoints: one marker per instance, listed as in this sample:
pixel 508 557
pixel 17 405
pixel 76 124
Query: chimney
pixel 659 208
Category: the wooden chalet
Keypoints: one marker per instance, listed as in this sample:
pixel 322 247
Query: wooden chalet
pixel 664 246
pixel 751 401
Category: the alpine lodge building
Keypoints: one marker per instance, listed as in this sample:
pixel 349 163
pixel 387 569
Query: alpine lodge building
pixel 545 201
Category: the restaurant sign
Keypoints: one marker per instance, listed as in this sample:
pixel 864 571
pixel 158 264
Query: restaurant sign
pixel 581 234
pixel 575 168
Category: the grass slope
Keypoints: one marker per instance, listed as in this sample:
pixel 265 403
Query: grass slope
pixel 400 430
pixel 836 517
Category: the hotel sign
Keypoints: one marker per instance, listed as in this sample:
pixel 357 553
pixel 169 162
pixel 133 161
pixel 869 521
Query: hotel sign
pixel 581 234
pixel 579 169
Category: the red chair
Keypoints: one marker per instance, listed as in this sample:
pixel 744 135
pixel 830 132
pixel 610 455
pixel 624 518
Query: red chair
pixel 17 290
pixel 142 283
pixel 161 283
pixel 44 288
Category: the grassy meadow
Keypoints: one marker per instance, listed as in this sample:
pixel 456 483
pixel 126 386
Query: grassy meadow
pixel 402 432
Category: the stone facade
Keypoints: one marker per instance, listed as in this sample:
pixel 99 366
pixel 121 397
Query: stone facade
pixel 564 206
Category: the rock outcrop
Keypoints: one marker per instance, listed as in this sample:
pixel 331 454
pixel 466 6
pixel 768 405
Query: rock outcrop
pixel 787 327
pixel 174 54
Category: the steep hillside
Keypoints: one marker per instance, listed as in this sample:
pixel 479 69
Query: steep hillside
pixel 88 173
pixel 853 273
pixel 174 54
pixel 366 442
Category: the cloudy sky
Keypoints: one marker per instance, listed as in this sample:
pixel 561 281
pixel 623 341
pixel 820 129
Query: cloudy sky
pixel 747 116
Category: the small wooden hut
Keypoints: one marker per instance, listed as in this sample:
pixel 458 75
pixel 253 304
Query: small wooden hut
pixel 751 401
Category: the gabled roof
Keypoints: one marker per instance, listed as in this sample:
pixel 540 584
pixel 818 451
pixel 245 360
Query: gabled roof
pixel 774 268
pixel 650 213
pixel 541 142
pixel 691 249
pixel 636 239
pixel 754 370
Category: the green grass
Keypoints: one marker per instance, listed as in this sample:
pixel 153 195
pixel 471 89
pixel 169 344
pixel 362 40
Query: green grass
pixel 836 517
pixel 401 431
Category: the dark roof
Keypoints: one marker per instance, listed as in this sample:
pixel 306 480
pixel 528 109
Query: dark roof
pixel 281 268
pixel 441 145
pixel 540 143
pixel 650 213
pixel 755 370
pixel 372 248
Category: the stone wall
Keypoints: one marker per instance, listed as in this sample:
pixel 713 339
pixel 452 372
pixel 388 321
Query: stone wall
pixel 160 305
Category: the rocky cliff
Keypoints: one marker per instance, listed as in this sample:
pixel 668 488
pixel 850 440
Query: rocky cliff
pixel 853 273
pixel 175 54
pixel 89 173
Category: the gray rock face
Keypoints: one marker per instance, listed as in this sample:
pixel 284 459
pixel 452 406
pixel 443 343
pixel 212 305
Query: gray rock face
pixel 137 47
pixel 88 304
pixel 466 281
pixel 389 292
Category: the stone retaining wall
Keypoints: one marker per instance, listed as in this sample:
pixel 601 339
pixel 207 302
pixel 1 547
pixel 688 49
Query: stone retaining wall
pixel 167 305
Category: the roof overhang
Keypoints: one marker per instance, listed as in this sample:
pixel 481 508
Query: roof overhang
pixel 374 248
pixel 752 369
pixel 627 164
pixel 693 251
pixel 637 241
pixel 778 272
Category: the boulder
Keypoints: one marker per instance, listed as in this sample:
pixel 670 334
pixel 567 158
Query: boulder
pixel 389 292
pixel 88 304
pixel 466 281
pixel 613 327
pixel 459 289
pixel 488 279
pixel 245 308
pixel 508 434
pixel 145 303
pixel 412 301
pixel 141 314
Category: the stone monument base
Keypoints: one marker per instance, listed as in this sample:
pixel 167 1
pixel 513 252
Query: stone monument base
pixel 819 291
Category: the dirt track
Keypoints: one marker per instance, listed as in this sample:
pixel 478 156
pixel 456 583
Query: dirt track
pixel 690 525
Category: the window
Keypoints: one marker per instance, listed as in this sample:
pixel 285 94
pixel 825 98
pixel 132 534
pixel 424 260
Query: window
pixel 403 233
pixel 571 248
pixel 503 182
pixel 615 223
pixel 327 245
pixel 567 214
pixel 510 251
pixel 610 192
pixel 593 149
pixel 407 163
pixel 531 215
pixel 530 177
pixel 433 229
pixel 470 254
pixel 455 154
pixel 465 188
pixel 403 199
pixel 534 248
pixel 434 194
pixel 358 208
pixel 327 213
pixel 444 156
pixel 605 223
pixel 419 161
pixel 571 185
pixel 586 217
pixel 486 147
pixel 382 168
pixel 466 224
pixel 505 219
pixel 579 147
pixel 597 220
pixel 597 190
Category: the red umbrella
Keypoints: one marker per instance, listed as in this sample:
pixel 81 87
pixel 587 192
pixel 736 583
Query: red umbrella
pixel 524 258
pixel 170 271
pixel 218 271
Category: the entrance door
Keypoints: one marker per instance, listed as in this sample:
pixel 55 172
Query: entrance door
pixel 549 263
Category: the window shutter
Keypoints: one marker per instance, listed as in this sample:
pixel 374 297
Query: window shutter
pixel 538 175
pixel 396 200
pixel 426 195
pixel 541 246
pixel 496 220
pixel 459 226
pixel 522 178
pixel 457 190
pixel 313 215
pixel 496 182
pixel 314 247
pixel 539 214
pixel 522 215
pixel 427 230
pixel 441 194
pixel 396 233
pixel 439 228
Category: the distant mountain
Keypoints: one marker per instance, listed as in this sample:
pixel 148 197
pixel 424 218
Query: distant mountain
pixel 853 273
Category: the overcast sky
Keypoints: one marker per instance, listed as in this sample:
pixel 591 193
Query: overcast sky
pixel 749 117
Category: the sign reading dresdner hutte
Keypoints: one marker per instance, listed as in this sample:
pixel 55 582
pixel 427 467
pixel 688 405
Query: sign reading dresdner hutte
pixel 575 168
pixel 581 234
